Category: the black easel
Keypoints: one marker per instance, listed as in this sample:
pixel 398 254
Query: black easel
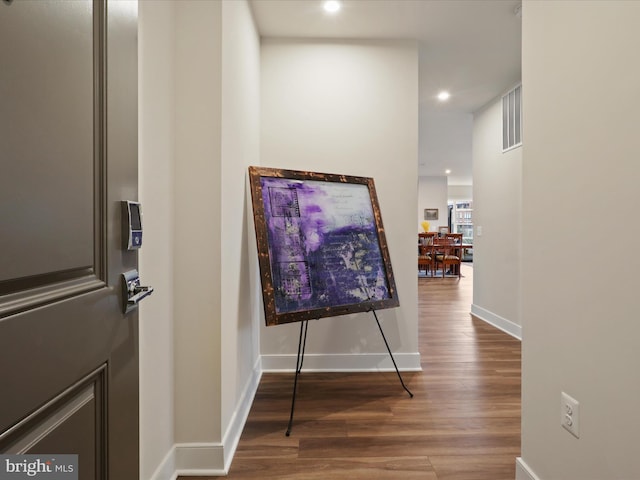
pixel 303 326
pixel 391 354
pixel 302 343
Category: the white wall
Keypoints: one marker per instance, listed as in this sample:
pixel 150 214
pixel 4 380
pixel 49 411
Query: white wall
pixel 460 192
pixel 156 157
pixel 198 107
pixel 199 70
pixel 433 193
pixel 580 321
pixel 497 210
pixel 241 304
pixel 351 108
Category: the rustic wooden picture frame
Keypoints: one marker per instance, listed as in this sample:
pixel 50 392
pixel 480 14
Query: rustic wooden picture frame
pixel 321 245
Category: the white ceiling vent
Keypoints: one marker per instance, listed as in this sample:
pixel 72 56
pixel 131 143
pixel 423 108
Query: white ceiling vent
pixel 512 119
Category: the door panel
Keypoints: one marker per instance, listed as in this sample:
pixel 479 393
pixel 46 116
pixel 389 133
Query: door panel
pixel 47 139
pixel 68 153
pixel 72 422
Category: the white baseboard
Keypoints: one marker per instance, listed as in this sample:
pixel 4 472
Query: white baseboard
pixel 369 362
pixel 523 471
pixel 167 468
pixel 497 321
pixel 193 459
pixel 232 436
pixel 211 459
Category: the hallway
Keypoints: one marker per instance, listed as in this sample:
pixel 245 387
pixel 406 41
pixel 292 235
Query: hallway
pixel 462 424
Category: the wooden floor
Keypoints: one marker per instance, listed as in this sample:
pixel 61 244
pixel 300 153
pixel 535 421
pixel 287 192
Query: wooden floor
pixel 462 424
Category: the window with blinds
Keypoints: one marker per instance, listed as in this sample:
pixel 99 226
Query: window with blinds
pixel 512 119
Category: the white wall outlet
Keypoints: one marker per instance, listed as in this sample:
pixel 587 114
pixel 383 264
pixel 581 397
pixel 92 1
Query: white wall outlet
pixel 570 414
pixel 478 230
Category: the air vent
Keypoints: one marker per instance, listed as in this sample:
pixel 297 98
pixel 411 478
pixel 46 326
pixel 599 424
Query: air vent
pixel 512 119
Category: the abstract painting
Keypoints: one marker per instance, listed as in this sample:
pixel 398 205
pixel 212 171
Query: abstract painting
pixel 321 245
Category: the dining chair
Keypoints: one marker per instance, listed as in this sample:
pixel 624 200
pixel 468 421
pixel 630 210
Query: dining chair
pixel 426 259
pixel 456 238
pixel 449 254
pixel 426 238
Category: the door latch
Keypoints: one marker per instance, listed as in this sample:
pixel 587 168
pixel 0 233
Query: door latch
pixel 132 291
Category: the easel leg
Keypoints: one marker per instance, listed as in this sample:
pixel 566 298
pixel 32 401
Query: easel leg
pixel 301 346
pixel 391 354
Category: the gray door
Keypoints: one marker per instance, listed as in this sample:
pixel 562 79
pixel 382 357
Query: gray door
pixel 68 155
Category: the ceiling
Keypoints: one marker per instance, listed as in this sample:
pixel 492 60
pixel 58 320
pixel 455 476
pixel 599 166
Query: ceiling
pixel 469 47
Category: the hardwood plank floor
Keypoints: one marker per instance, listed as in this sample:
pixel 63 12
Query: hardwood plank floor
pixel 462 424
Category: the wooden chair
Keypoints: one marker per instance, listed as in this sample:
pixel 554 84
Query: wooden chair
pixel 426 238
pixel 426 259
pixel 456 238
pixel 449 254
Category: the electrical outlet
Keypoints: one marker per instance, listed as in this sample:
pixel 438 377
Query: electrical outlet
pixel 570 414
pixel 479 230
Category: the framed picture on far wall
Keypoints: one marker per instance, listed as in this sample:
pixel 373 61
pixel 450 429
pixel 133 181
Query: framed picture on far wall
pixel 321 245
pixel 431 214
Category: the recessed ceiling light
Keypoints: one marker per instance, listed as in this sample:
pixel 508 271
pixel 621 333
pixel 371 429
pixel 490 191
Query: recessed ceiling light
pixel 332 6
pixel 443 96
pixel 447 171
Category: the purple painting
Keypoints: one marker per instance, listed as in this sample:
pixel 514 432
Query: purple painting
pixel 323 244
